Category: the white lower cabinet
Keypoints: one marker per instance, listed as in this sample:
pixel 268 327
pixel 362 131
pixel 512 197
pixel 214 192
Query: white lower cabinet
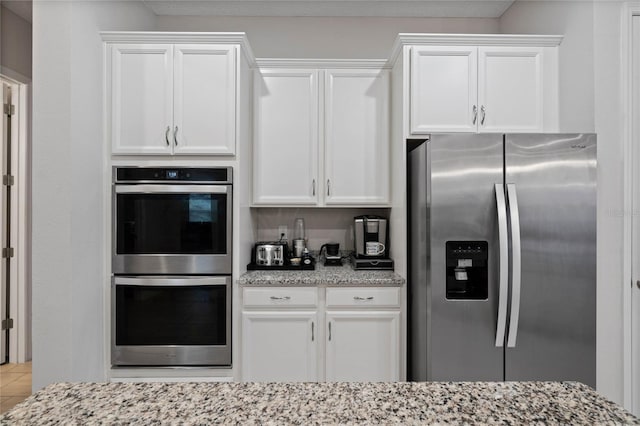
pixel 279 346
pixel 362 346
pixel 359 340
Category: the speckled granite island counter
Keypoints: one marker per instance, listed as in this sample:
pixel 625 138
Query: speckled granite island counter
pixel 319 403
pixel 343 275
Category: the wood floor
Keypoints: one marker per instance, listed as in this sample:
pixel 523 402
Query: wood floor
pixel 15 384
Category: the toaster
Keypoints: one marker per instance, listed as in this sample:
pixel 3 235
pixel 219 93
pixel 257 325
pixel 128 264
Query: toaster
pixel 270 253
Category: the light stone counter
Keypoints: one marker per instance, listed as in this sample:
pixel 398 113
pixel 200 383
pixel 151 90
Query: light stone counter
pixel 545 403
pixel 343 275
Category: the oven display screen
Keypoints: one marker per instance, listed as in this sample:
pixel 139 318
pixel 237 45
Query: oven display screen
pixel 172 174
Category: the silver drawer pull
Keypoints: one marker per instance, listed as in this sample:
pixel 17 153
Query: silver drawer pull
pixel 280 298
pixel 362 298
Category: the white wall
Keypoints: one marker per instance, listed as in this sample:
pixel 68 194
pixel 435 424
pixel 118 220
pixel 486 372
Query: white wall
pixel 574 20
pixel 608 125
pixel 68 293
pixel 324 37
pixel 590 101
pixel 15 43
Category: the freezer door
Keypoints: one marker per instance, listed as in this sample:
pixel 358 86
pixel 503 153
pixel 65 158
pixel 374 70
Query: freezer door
pixel 462 275
pixel 554 178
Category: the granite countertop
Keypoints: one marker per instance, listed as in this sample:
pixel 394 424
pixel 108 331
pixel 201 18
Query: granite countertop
pixel 319 403
pixel 343 275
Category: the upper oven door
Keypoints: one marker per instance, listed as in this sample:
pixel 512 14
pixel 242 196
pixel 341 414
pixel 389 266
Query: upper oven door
pixel 172 229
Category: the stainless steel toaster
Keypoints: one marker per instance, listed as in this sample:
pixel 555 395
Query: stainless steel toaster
pixel 269 253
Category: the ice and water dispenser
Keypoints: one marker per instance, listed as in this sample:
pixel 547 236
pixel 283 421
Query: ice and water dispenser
pixel 467 274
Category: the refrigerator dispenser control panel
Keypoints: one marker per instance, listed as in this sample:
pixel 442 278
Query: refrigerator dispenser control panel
pixel 467 274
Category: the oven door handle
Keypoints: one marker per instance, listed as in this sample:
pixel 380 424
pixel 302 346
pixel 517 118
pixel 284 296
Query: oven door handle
pixel 172 189
pixel 171 281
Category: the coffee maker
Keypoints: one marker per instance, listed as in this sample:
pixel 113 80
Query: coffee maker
pixel 332 254
pixel 371 243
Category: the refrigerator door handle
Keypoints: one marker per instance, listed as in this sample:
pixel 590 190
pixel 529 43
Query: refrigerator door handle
pixel 503 265
pixel 516 268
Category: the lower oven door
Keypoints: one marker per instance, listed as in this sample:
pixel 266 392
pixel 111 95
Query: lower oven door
pixel 171 321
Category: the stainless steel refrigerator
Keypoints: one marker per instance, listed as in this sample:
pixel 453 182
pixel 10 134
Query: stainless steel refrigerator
pixel 502 249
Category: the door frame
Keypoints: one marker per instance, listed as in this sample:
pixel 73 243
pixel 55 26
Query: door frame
pixel 20 264
pixel 631 347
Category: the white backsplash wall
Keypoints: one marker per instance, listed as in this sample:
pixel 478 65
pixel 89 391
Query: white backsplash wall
pixel 322 225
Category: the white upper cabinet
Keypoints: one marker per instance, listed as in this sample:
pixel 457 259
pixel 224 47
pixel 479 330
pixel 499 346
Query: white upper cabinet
pixel 510 89
pixel 286 137
pixel 321 137
pixel 356 137
pixel 177 98
pixel 205 99
pixel 492 88
pixel 141 98
pixel 443 89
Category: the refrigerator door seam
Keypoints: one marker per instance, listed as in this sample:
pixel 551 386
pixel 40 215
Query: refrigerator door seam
pixel 516 270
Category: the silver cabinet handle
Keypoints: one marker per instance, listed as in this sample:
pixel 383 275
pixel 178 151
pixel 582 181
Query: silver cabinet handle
pixel 329 330
pixel 503 266
pixel 475 114
pixel 175 136
pixel 362 298
pixel 312 334
pixel 280 298
pixel 516 269
pixel 313 187
pixel 483 112
pixel 328 187
pixel 166 135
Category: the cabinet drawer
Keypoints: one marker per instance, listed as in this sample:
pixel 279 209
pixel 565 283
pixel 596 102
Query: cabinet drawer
pixel 363 297
pixel 280 297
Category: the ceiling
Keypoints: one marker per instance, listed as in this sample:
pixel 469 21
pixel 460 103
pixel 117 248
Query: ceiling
pixel 333 8
pixel 330 8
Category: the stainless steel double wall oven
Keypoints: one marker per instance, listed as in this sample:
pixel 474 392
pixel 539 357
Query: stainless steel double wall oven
pixel 171 262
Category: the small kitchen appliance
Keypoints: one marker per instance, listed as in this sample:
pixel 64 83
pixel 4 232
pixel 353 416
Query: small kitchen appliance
pixel 332 254
pixel 370 237
pixel 270 253
pixel 371 241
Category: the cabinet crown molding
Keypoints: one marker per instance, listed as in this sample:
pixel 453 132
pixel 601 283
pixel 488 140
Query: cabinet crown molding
pixel 182 37
pixel 321 63
pixel 419 39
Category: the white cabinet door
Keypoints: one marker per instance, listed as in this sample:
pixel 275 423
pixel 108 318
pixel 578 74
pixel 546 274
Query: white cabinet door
pixel 205 99
pixel 141 98
pixel 285 169
pixel 363 346
pixel 356 137
pixel 279 346
pixel 443 89
pixel 510 89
